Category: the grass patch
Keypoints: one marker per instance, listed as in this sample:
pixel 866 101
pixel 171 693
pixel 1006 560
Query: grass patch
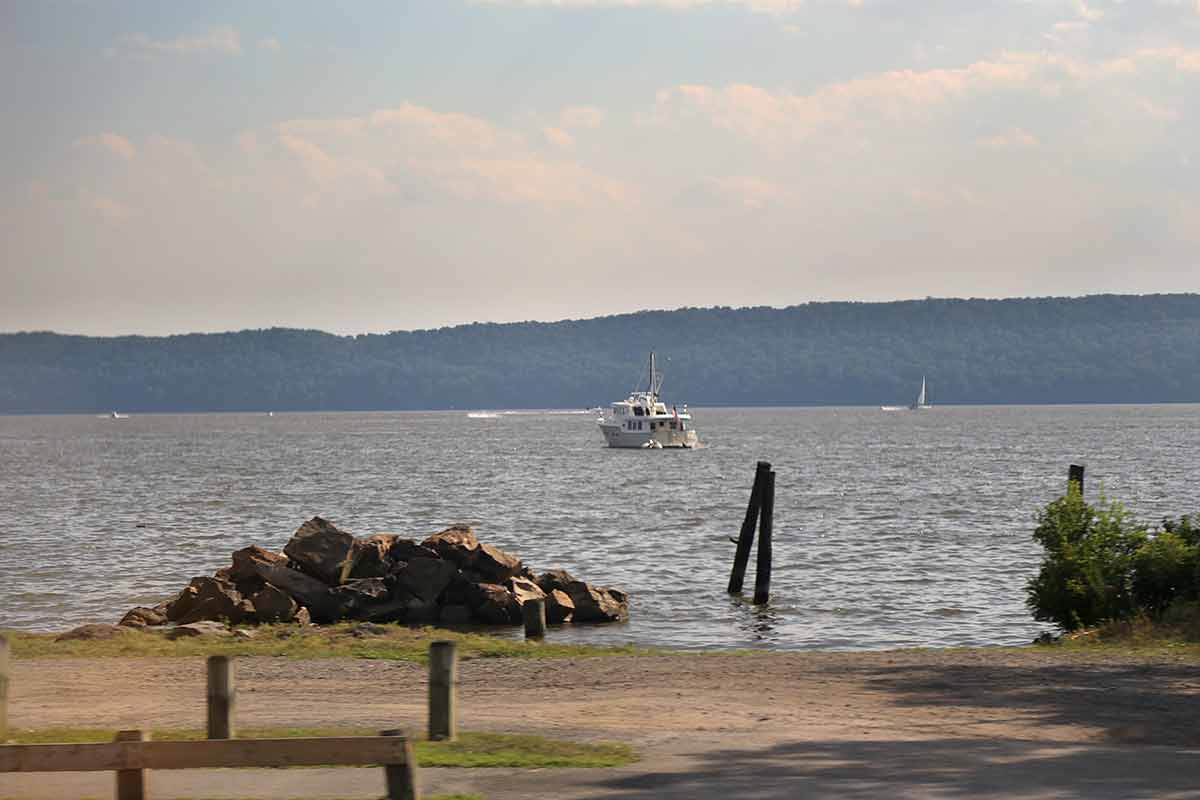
pixel 471 749
pixel 344 640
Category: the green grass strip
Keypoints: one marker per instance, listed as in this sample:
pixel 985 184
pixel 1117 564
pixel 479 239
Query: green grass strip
pixel 344 640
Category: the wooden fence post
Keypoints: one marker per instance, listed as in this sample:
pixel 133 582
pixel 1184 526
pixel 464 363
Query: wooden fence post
pixel 535 618
pixel 402 778
pixel 762 569
pixel 1075 475
pixel 443 676
pixel 746 538
pixel 222 695
pixel 131 783
pixel 3 688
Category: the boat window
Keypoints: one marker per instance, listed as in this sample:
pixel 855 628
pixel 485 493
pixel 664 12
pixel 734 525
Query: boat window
pixel 672 426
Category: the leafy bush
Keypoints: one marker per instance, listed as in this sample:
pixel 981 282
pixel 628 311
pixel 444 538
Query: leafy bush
pixel 1099 566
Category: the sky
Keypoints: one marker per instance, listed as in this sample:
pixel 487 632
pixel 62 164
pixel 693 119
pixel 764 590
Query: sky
pixel 376 166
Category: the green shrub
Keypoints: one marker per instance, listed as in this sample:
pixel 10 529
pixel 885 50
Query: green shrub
pixel 1099 566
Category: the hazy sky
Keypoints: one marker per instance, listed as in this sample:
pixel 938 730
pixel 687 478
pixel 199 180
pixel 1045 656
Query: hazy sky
pixel 169 167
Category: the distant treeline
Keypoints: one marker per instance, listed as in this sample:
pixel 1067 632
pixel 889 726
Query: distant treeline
pixel 1105 348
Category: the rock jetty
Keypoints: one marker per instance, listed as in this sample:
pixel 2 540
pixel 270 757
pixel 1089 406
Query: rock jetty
pixel 326 575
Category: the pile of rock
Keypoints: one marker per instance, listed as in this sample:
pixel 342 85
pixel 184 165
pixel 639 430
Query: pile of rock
pixel 326 575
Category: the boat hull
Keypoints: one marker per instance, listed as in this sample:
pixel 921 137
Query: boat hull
pixel 619 437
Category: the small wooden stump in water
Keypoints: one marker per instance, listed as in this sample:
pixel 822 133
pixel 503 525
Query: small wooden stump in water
pixel 1075 475
pixel 762 570
pixel 535 618
pixel 746 538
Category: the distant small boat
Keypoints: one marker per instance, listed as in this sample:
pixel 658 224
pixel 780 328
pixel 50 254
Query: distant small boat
pixel 115 415
pixel 922 402
pixel 482 415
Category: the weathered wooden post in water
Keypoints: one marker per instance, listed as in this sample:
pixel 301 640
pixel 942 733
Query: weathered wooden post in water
pixel 1075 475
pixel 402 780
pixel 222 696
pixel 762 569
pixel 443 676
pixel 535 618
pixel 3 689
pixel 746 538
pixel 131 783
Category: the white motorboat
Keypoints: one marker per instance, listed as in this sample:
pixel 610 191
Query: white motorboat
pixel 643 420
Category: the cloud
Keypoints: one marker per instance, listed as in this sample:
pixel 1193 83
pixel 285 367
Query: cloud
pixel 111 142
pixel 107 208
pixel 581 117
pixel 220 39
pixel 559 138
pixel 270 43
pixel 763 6
pixel 1010 140
pixel 422 150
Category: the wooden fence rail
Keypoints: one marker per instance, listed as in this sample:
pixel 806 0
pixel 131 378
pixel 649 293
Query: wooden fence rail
pixel 133 753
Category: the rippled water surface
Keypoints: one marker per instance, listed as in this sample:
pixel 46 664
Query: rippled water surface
pixel 891 528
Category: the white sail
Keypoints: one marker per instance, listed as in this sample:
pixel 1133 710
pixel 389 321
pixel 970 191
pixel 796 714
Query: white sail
pixel 921 396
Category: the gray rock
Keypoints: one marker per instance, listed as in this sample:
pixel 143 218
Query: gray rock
pixel 201 628
pixel 319 599
pixel 457 543
pixel 371 557
pixel 272 604
pixel 491 603
pixel 245 560
pixel 495 564
pixel 555 579
pixel 142 617
pixel 408 549
pixel 359 595
pixel 321 550
pixel 425 578
pixel 455 615
pixel 598 605
pixel 91 632
pixel 559 607
pixel 209 599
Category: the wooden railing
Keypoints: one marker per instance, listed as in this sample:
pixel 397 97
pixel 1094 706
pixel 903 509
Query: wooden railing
pixel 132 753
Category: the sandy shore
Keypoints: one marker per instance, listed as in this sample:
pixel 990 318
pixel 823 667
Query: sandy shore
pixel 959 723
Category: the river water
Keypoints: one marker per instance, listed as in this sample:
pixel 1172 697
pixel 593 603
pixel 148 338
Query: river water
pixel 891 528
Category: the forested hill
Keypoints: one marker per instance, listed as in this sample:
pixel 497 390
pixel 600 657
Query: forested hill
pixel 1051 350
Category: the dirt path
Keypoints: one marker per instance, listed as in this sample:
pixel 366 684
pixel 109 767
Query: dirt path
pixel 980 723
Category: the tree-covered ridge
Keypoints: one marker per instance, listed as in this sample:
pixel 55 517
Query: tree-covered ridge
pixel 1105 348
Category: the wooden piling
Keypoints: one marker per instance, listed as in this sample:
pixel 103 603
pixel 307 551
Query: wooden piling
pixel 401 779
pixel 443 677
pixel 746 538
pixel 535 618
pixel 3 688
pixel 762 569
pixel 1075 475
pixel 222 695
pixel 131 783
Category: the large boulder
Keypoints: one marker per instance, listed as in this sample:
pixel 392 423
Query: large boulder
pixel 596 604
pixel 524 589
pixel 408 549
pixel 359 595
pixel 495 564
pixel 457 543
pixel 555 579
pixel 559 607
pixel 85 633
pixel 246 559
pixel 320 600
pixel 371 557
pixel 492 603
pixel 272 604
pixel 206 599
pixel 425 578
pixel 142 617
pixel 321 550
pixel 199 628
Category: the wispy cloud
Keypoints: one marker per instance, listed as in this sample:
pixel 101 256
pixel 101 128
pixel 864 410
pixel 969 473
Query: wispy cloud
pixel 219 39
pixel 270 43
pixel 110 142
pixel 765 6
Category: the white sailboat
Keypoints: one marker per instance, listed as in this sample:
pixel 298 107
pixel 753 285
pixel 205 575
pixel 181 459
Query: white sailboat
pixel 922 400
pixel 921 403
